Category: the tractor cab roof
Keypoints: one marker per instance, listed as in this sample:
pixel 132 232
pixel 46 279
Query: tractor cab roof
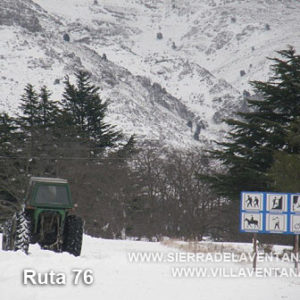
pixel 34 180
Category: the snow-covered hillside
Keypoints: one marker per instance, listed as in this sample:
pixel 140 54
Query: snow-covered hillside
pixel 172 69
pixel 116 278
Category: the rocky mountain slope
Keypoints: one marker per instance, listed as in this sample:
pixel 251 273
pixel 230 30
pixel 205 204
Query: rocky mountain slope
pixel 171 69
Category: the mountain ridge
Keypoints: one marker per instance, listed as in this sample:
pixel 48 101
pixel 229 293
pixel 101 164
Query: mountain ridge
pixel 172 70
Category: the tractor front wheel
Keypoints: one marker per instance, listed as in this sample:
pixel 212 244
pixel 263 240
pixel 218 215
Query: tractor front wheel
pixel 16 233
pixel 21 234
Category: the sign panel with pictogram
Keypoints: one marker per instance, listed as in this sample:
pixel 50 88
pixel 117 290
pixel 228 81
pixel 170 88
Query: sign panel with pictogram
pixel 267 212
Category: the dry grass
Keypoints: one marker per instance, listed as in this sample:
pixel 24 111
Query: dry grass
pixel 203 247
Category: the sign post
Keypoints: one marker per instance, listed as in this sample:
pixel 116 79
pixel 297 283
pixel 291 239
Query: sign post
pixel 296 251
pixel 254 250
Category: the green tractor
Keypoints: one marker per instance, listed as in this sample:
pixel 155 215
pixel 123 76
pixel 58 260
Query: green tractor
pixel 45 219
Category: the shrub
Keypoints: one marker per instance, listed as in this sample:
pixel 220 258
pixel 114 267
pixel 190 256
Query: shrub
pixel 66 37
pixel 56 81
pixel 159 36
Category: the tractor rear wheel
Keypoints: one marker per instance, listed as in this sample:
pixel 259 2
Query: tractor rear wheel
pixel 73 233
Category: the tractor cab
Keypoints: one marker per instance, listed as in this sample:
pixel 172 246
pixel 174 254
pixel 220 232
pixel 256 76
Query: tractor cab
pixel 48 192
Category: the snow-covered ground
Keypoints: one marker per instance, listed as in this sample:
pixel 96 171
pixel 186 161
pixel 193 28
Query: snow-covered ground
pixel 116 277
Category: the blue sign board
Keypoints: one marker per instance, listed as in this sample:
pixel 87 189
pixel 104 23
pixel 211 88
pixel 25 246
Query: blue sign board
pixel 267 212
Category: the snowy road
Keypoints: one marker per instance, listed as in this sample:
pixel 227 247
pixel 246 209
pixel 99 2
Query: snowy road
pixel 116 278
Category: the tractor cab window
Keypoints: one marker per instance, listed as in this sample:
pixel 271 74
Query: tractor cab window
pixel 52 194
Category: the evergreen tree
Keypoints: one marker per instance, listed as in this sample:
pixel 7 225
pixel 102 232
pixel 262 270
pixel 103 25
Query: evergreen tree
pixel 48 109
pixel 10 181
pixel 255 135
pixel 85 111
pixel 30 118
pixel 7 133
pixel 29 122
pixel 285 170
pixel 128 150
pixel 38 116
